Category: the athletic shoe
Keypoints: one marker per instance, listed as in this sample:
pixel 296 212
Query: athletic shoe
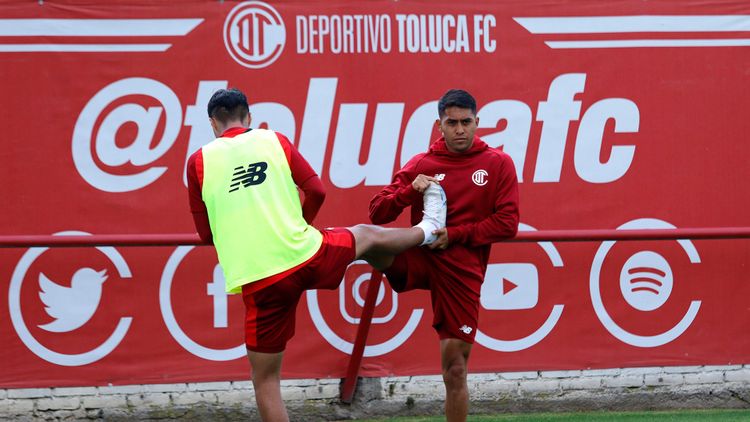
pixel 435 210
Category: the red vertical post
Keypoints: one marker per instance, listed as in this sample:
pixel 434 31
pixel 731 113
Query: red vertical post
pixel 355 360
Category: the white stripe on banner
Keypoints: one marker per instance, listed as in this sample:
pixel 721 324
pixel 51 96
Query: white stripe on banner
pixel 81 48
pixel 651 23
pixel 96 27
pixel 737 42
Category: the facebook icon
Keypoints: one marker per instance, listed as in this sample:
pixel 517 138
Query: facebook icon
pixel 216 289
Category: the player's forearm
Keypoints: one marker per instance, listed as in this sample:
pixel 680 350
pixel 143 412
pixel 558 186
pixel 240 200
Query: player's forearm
pixel 203 227
pixel 388 204
pixel 315 194
pixel 499 226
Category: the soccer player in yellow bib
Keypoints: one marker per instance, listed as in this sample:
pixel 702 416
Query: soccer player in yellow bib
pixel 244 197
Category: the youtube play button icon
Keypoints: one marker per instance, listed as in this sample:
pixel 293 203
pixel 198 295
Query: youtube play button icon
pixel 510 287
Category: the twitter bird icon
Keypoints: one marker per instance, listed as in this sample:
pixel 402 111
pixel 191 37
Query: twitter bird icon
pixel 73 306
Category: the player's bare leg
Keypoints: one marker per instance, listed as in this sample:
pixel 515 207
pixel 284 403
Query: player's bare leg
pixel 454 356
pixel 378 245
pixel 267 385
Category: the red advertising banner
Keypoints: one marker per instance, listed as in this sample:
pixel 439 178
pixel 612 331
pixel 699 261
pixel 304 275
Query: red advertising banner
pixel 617 114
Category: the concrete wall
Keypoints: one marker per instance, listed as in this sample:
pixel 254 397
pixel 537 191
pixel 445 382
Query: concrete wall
pixel 317 399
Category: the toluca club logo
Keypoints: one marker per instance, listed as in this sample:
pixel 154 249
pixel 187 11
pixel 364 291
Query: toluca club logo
pixel 479 177
pixel 254 34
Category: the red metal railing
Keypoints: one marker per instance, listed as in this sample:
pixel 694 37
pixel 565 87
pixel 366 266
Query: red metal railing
pixel 350 381
pixel 22 241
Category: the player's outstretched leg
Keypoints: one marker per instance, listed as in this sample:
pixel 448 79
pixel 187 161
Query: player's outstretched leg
pixel 377 245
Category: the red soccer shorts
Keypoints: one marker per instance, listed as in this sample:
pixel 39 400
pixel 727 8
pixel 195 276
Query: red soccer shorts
pixel 270 311
pixel 455 299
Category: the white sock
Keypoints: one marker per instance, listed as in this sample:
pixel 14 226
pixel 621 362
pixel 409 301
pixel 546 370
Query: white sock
pixel 427 228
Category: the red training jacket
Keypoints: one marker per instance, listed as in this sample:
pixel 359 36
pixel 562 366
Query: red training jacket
pixel 482 192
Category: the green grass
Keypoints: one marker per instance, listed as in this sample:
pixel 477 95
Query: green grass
pixel 661 416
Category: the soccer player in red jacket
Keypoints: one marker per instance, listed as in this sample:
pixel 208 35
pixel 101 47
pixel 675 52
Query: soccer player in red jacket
pixel 482 188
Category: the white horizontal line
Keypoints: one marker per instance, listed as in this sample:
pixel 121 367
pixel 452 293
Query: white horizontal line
pixel 646 23
pixel 81 48
pixel 735 42
pixel 96 27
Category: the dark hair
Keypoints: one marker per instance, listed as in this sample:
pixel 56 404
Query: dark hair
pixel 227 105
pixel 456 98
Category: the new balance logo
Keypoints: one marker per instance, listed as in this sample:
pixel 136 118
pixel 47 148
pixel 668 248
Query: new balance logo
pixel 466 329
pixel 254 174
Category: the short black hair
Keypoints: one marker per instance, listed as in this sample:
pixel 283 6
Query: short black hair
pixel 456 98
pixel 227 105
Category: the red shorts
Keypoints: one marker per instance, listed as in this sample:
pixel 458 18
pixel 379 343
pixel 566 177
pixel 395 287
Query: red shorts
pixel 270 311
pixel 455 300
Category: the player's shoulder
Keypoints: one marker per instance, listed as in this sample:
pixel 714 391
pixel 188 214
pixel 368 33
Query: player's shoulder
pixel 195 156
pixel 496 154
pixel 417 159
pixel 256 133
pixel 281 137
pixel 498 159
pixel 269 134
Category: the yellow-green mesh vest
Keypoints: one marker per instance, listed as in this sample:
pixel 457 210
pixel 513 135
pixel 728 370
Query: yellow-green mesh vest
pixel 254 208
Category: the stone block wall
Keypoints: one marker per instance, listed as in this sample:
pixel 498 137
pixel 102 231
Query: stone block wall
pixel 318 399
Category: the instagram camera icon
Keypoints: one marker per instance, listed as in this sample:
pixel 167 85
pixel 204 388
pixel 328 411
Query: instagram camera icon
pixel 353 290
